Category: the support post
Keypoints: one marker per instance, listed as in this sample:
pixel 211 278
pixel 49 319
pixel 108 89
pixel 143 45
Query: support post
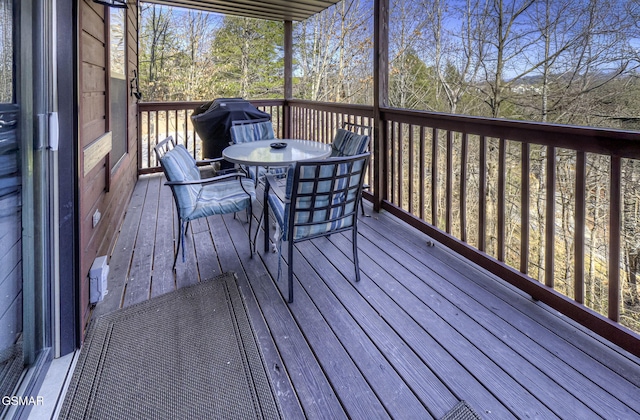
pixel 288 77
pixel 380 98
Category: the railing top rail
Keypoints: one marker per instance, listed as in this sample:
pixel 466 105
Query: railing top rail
pixel 619 143
pixel 359 110
pixel 168 106
pixel 181 105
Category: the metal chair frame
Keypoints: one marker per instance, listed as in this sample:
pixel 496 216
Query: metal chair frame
pixel 368 131
pixel 163 148
pixel 336 199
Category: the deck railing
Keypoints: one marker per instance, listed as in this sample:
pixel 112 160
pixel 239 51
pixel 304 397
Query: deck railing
pixel 551 209
pixel 158 120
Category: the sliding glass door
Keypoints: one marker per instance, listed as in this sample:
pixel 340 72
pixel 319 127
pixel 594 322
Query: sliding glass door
pixel 11 290
pixel 28 198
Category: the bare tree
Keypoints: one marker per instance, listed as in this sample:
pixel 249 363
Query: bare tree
pixel 411 85
pixel 333 53
pixel 155 41
pixel 587 45
pixel 198 33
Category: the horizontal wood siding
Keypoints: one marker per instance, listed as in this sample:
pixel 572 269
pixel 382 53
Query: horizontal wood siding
pixel 101 189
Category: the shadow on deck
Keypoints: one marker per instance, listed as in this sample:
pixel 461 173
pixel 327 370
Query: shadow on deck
pixel 421 331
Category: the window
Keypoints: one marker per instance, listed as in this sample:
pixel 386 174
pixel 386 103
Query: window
pixel 118 86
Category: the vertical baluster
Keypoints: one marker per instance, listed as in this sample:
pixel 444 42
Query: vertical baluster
pixel 400 176
pixel 195 137
pixel 294 122
pixel 150 131
pixel 434 176
pixel 615 205
pixel 140 142
pixel 279 112
pixel 411 168
pixel 449 183
pixel 157 131
pixel 175 127
pixel 304 122
pixel 580 226
pixel 392 162
pixel 502 175
pixel 464 152
pixel 482 196
pixel 525 190
pixel 421 159
pixel 301 115
pixel 334 122
pixel 166 124
pixel 550 218
pixel 185 132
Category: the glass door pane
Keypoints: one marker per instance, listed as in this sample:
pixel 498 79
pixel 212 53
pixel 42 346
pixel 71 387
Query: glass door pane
pixel 11 352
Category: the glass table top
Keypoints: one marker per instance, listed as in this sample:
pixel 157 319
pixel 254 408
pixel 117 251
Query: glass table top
pixel 261 153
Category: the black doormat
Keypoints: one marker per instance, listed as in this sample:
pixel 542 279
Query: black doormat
pixel 189 354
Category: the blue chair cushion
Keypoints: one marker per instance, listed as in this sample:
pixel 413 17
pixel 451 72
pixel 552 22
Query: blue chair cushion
pixel 327 214
pixel 278 172
pixel 348 143
pixel 244 133
pixel 185 154
pixel 197 200
pixel 223 197
pixel 178 168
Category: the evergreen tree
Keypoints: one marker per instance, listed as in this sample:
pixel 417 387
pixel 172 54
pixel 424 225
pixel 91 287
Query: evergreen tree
pixel 248 54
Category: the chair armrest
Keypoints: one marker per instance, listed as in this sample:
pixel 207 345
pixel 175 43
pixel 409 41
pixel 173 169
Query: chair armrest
pixel 204 162
pixel 274 185
pixel 207 180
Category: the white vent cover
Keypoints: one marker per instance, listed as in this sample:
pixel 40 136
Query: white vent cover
pixel 98 279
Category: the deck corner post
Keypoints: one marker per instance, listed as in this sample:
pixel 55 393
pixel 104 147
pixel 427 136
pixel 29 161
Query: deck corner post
pixel 380 98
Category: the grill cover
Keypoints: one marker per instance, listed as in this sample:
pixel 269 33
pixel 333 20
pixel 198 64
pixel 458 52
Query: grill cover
pixel 212 122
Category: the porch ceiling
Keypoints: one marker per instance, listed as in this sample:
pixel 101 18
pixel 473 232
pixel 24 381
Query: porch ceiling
pixel 280 10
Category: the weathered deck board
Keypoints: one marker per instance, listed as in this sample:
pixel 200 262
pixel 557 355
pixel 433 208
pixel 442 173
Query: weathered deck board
pixel 120 258
pixel 422 330
pixel 163 280
pixel 139 285
pixel 540 343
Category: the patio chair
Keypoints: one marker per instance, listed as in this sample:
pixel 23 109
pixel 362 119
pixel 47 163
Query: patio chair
pixel 320 198
pixel 251 130
pixel 352 139
pixel 196 197
pixel 243 131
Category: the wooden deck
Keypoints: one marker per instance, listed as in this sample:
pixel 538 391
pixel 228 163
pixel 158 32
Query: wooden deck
pixel 421 331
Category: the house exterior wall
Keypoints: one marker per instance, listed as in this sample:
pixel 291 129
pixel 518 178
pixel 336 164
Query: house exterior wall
pixel 99 188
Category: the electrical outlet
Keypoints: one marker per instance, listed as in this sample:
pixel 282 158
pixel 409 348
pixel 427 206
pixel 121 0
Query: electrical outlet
pixel 96 217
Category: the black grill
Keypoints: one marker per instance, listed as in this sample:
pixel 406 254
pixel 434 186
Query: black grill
pixel 212 122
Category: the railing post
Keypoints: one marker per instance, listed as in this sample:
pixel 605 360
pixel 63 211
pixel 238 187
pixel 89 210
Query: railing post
pixel 288 78
pixel 380 98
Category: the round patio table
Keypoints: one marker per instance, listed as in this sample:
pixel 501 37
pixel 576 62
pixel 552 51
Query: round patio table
pixel 261 153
